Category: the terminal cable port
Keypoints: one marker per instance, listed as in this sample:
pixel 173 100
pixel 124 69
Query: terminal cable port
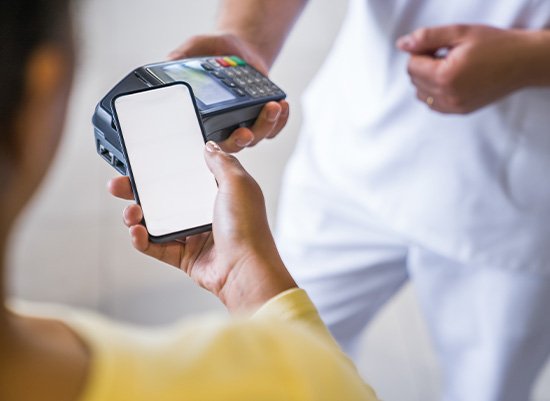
pixel 120 167
pixel 106 154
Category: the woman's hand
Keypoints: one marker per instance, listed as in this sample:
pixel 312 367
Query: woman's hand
pixel 238 261
pixel 273 116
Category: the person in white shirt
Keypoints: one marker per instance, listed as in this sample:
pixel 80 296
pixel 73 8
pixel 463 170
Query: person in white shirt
pixel 423 156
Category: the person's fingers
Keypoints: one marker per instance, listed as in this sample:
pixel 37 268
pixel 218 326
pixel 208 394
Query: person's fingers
pixel 266 122
pixel 238 140
pixel 283 119
pixel 140 241
pixel 426 85
pixel 272 116
pixel 140 237
pixel 198 251
pixel 179 52
pixel 429 101
pixel 196 46
pixel 225 167
pixel 423 96
pixel 121 188
pixel 430 40
pixel 424 67
pixel 218 45
pixel 434 102
pixel 132 215
pixel 180 254
pixel 169 252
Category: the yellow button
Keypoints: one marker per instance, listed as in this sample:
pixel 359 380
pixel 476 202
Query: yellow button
pixel 232 63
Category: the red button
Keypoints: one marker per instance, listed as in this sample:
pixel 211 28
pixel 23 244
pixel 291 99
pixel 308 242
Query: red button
pixel 222 62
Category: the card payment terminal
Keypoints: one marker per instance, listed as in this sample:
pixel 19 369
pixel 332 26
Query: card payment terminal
pixel 229 92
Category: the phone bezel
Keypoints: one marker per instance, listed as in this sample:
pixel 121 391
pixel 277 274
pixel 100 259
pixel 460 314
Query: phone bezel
pixel 178 234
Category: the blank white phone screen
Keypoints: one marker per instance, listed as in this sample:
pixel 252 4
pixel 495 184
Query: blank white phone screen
pixel 164 146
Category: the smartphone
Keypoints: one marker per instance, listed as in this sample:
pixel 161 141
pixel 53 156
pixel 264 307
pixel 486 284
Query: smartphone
pixel 162 139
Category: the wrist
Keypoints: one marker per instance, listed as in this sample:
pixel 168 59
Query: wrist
pixel 534 57
pixel 253 281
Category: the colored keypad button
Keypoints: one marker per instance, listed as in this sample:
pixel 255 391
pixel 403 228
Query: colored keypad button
pixel 223 62
pixel 229 61
pixel 238 60
pixel 240 77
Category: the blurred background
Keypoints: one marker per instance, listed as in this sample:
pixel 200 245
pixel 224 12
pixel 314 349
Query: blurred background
pixel 72 247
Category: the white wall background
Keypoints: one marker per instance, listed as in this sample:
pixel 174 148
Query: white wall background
pixel 72 247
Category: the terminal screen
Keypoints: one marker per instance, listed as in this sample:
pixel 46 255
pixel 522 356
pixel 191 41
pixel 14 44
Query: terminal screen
pixel 207 89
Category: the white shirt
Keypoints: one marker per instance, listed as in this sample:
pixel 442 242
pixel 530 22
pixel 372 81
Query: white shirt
pixel 473 187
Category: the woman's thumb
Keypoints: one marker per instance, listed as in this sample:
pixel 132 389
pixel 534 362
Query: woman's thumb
pixel 429 40
pixel 224 166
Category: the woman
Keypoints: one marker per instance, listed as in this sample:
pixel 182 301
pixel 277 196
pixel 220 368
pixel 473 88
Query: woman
pixel 282 352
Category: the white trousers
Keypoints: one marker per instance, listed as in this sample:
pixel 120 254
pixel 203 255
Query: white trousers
pixel 491 326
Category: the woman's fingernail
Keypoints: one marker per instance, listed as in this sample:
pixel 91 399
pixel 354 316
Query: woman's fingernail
pixel 405 42
pixel 212 146
pixel 273 115
pixel 243 142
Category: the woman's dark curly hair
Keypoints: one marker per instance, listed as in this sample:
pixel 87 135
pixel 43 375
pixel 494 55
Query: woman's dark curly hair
pixel 24 25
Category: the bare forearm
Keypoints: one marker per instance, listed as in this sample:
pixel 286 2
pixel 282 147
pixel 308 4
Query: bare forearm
pixel 264 24
pixel 537 60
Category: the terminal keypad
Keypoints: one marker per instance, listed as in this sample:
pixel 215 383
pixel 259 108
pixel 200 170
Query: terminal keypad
pixel 241 78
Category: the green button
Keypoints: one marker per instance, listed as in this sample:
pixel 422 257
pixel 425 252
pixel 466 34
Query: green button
pixel 238 60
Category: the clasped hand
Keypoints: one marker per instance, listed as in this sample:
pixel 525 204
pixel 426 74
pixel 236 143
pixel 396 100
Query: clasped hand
pixel 482 65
